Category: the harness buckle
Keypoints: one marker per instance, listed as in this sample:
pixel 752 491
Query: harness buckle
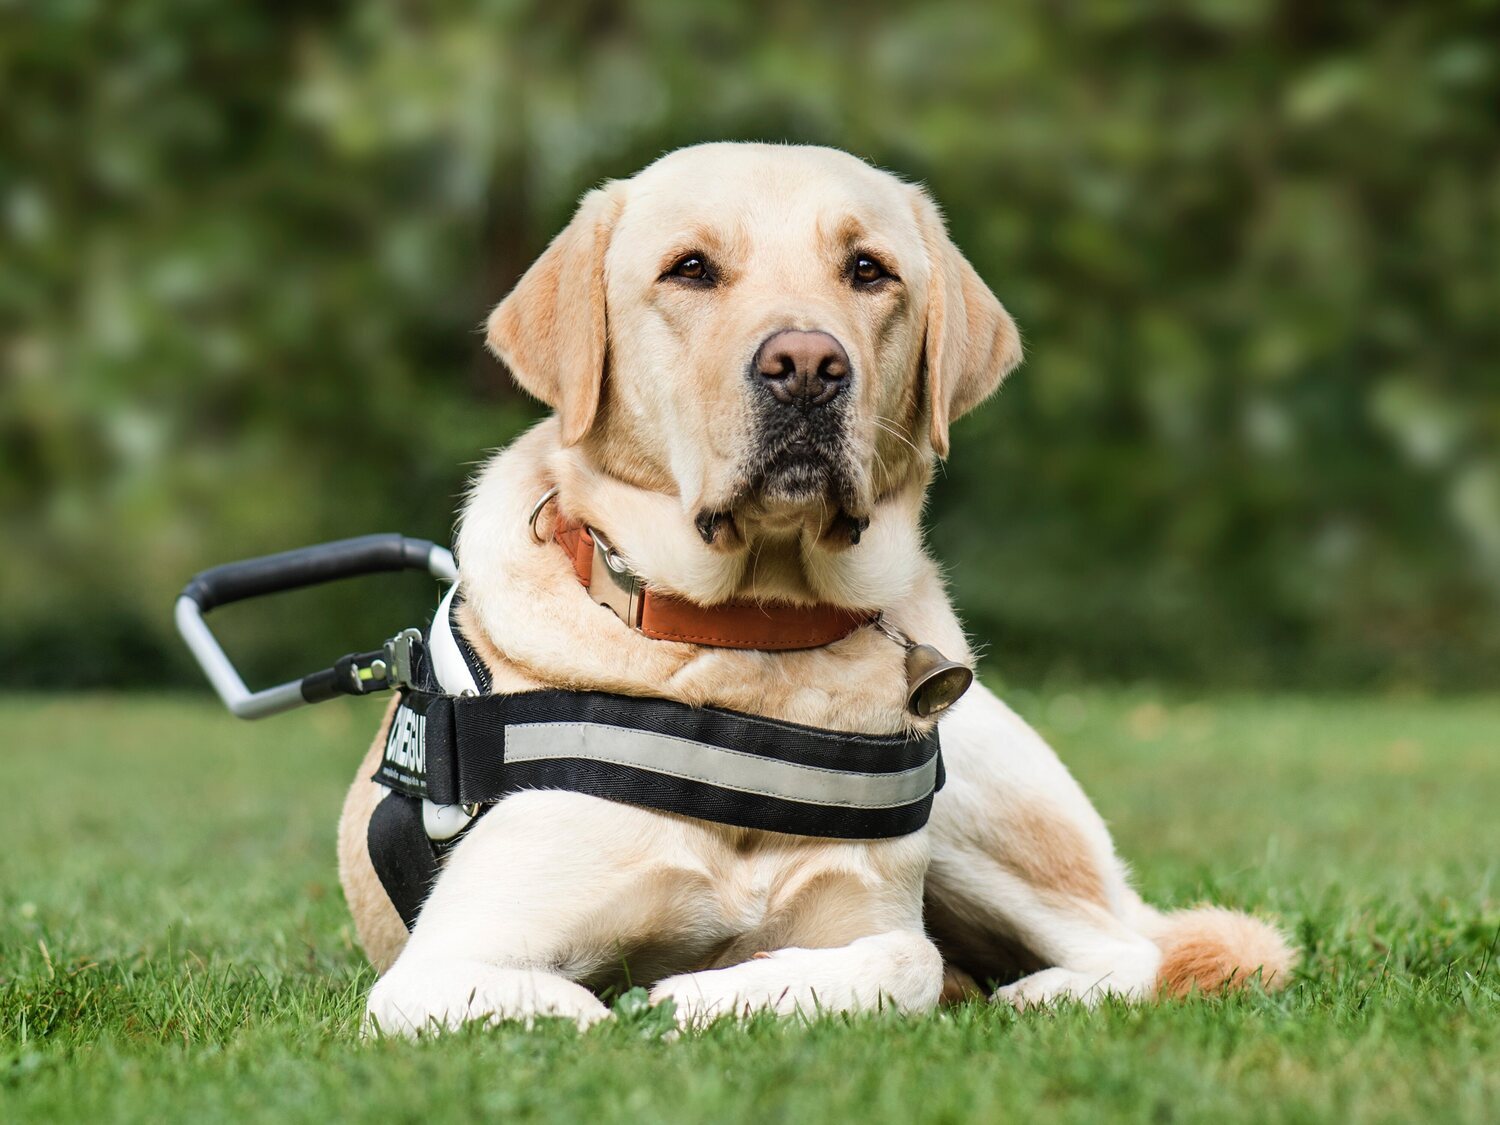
pixel 401 657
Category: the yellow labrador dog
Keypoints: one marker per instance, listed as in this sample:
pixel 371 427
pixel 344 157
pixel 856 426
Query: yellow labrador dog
pixel 754 354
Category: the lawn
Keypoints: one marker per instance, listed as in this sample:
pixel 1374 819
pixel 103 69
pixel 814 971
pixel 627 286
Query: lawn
pixel 173 945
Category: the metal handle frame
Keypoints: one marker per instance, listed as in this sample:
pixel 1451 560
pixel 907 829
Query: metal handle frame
pixel 220 670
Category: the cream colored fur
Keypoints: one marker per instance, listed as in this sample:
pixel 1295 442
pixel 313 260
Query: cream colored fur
pixel 553 896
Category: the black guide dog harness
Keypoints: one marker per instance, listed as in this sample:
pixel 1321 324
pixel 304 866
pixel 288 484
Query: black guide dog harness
pixel 453 751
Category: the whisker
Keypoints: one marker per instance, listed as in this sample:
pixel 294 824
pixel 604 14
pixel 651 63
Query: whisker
pixel 755 564
pixel 891 428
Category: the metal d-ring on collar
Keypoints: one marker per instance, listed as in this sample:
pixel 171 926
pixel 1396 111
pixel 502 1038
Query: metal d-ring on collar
pixel 613 559
pixel 536 513
pixel 616 586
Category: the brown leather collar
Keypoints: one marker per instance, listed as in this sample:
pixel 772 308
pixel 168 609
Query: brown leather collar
pixel 764 626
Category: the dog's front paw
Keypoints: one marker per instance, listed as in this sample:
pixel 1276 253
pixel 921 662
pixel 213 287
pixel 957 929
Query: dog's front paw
pixel 427 997
pixel 787 982
pixel 738 990
pixel 1051 986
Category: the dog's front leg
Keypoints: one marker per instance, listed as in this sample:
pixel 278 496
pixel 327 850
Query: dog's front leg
pixel 901 968
pixel 546 890
pixel 425 995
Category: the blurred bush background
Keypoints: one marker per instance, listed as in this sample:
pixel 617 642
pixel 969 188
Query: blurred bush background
pixel 1254 248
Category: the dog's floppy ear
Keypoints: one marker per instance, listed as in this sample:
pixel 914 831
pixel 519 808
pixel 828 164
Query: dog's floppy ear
pixel 551 330
pixel 972 343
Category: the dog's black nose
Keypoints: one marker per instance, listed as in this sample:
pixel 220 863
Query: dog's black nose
pixel 802 368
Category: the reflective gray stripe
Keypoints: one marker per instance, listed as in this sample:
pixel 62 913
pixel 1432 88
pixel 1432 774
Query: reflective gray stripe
pixel 728 769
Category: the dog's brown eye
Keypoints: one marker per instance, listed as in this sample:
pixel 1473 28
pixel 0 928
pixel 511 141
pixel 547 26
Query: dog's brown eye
pixel 691 267
pixel 868 270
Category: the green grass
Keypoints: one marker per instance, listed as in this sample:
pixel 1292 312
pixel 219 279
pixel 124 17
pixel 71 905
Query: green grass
pixel 173 945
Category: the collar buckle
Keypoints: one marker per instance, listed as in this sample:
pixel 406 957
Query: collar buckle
pixel 613 584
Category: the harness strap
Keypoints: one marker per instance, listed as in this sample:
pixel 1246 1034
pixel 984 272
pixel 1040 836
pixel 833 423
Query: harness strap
pixel 405 860
pixel 408 838
pixel 703 762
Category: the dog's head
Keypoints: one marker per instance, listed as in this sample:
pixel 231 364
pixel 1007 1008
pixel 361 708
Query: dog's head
pixel 778 336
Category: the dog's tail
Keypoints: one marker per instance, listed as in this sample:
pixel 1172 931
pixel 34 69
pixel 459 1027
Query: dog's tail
pixel 1211 949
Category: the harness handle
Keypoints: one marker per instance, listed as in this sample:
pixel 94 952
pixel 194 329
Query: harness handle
pixel 310 566
pixel 293 570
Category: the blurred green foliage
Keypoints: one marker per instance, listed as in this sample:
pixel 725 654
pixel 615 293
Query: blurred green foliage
pixel 1254 248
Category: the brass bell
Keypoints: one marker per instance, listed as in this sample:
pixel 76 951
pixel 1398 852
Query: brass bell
pixel 933 682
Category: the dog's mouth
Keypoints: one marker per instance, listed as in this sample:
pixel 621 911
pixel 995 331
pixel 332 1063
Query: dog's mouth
pixel 798 479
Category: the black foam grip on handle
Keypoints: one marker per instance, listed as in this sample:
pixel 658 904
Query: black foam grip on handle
pixel 306 566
